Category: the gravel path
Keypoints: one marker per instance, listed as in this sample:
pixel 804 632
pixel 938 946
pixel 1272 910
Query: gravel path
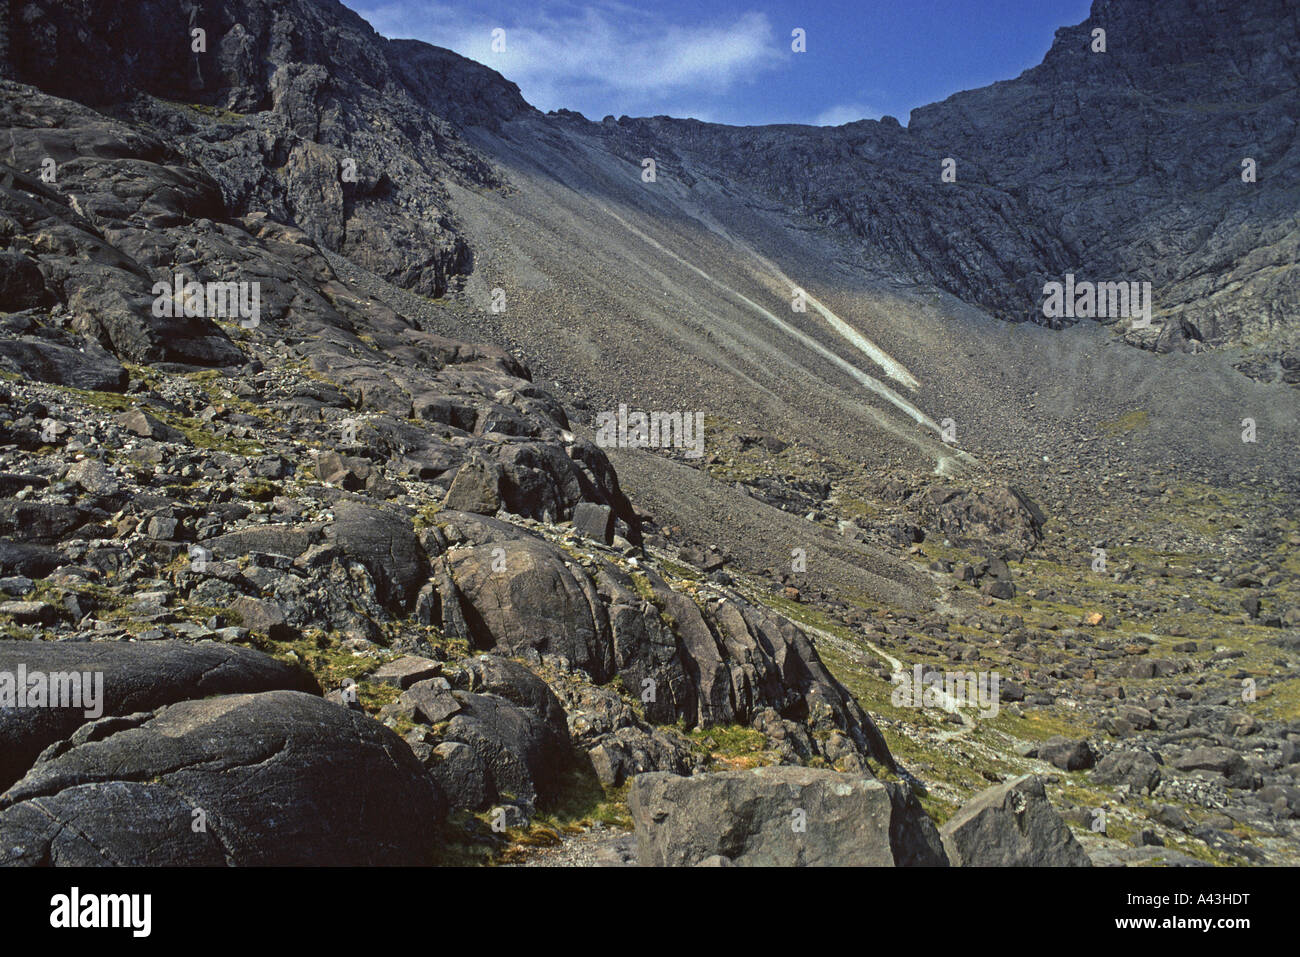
pixel 596 848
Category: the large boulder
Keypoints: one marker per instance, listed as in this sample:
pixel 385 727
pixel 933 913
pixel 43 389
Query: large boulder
pixel 280 778
pixel 1067 754
pixel 520 595
pixel 137 676
pixel 272 539
pixel 385 543
pixel 460 773
pixel 523 753
pixel 1011 825
pixel 780 816
pixel 83 364
pixel 1136 769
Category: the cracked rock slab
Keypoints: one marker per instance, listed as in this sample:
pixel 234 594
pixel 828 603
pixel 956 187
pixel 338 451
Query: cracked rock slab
pixel 137 676
pixel 781 817
pixel 278 778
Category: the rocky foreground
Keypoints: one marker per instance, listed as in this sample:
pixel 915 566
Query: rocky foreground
pixel 357 591
pixel 336 486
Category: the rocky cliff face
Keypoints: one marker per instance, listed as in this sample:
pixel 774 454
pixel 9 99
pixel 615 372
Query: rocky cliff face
pixel 1122 165
pixel 336 481
pixel 299 110
pixel 1134 158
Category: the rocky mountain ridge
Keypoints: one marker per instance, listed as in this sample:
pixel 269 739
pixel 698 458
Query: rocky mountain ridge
pixel 365 481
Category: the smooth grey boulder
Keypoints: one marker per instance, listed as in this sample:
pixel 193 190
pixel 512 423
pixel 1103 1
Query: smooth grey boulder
pixel 1011 825
pixel 1137 769
pixel 780 816
pixel 280 778
pixel 137 676
pixel 518 595
pixel 260 615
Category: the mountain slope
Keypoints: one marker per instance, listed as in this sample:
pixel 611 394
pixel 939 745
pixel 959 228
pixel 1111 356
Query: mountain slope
pixel 904 471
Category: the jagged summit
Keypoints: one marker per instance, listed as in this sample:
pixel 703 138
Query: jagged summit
pixel 311 341
pixel 1123 164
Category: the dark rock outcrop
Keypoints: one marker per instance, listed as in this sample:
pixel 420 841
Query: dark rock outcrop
pixel 273 779
pixel 719 661
pixel 136 677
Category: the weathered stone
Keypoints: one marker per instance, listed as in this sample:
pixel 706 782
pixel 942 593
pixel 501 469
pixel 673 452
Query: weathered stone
pixel 1067 755
pixel 594 521
pixel 385 543
pixel 141 423
pixel 462 775
pixel 406 671
pixel 1011 825
pixel 782 817
pixel 137 676
pixel 278 778
pixel 1137 769
pixel 525 755
pixel 260 615
pixel 476 488
pixel 28 612
pixel 94 477
pixel 431 700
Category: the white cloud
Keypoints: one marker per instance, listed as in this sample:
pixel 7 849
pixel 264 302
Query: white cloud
pixel 600 56
pixel 845 113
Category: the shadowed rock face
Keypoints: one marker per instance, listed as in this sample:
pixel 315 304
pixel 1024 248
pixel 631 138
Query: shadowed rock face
pixel 136 677
pixel 280 778
pixel 306 79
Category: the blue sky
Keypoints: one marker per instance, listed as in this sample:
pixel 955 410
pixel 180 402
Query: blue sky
pixel 730 61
